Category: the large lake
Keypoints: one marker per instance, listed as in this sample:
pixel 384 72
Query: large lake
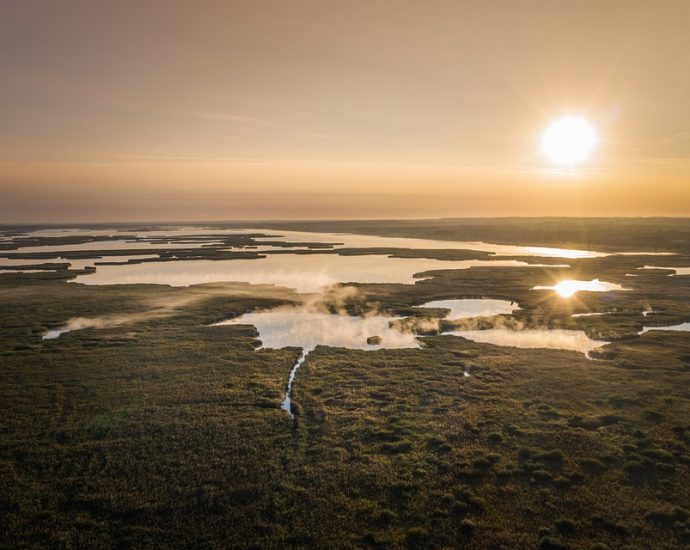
pixel 303 272
pixel 288 262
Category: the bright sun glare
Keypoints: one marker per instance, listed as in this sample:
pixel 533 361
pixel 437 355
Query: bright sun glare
pixel 566 288
pixel 569 287
pixel 569 140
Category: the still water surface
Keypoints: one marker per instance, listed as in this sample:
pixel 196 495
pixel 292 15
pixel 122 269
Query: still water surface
pixel 467 308
pixel 303 272
pixel 575 340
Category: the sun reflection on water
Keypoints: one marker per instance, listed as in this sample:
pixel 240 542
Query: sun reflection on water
pixel 568 287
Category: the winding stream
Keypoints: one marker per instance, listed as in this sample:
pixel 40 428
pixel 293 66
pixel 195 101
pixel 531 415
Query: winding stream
pixel 304 328
pixel 286 405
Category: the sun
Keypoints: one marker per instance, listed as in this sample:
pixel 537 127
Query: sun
pixel 569 140
pixel 566 289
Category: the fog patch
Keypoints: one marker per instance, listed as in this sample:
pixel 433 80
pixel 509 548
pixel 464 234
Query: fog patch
pixel 429 326
pixel 167 304
pixel 107 321
pixel 307 327
pixel 304 328
pixel 322 320
pixel 503 330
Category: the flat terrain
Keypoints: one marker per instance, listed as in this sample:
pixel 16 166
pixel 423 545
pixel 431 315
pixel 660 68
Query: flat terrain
pixel 663 234
pixel 162 431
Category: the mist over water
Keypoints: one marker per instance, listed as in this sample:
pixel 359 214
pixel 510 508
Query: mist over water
pixel 310 325
pixel 306 327
pixel 299 327
pixel 575 340
pixel 466 308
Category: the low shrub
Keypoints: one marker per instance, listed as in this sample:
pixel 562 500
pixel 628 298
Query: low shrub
pixel 550 543
pixel 542 476
pixel 561 481
pixel 468 526
pixel 555 456
pixel 591 465
pixel 493 457
pixel 525 453
pixel 416 537
pixel 459 508
pixel 385 516
pixel 633 468
pixel 611 526
pixel 565 526
pixel 495 438
pixel 396 448
pixel 481 463
pixel 667 515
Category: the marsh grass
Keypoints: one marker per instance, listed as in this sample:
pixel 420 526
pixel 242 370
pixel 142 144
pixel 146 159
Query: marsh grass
pixel 168 432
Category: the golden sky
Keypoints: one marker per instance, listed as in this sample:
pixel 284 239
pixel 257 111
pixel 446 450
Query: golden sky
pixel 210 110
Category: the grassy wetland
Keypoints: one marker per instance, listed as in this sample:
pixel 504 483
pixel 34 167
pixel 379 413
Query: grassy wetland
pixel 147 424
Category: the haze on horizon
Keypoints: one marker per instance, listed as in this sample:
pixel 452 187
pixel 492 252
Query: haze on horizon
pixel 173 110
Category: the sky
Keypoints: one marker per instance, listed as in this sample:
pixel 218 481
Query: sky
pixel 154 110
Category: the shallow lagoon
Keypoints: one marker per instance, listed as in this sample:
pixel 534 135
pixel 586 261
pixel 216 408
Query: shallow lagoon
pixel 303 272
pixel 348 240
pixel 574 340
pixel 299 327
pixel 682 327
pixel 75 264
pixel 339 240
pixel 676 270
pixel 569 287
pixel 467 308
pixel 110 245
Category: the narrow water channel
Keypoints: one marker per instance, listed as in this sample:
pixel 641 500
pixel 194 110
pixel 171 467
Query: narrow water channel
pixel 286 405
